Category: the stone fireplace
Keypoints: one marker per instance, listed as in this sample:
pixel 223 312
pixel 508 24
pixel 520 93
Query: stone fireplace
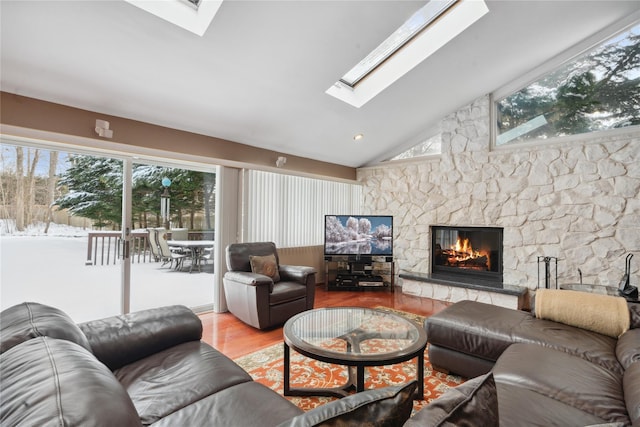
pixel 467 255
pixel 575 200
pixel 466 263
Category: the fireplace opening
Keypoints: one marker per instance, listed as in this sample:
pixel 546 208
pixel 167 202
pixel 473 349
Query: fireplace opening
pixel 467 254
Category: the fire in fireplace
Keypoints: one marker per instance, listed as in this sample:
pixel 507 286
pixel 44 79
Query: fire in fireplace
pixel 467 254
pixel 462 255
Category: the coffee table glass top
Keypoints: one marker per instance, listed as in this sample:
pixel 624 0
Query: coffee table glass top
pixel 354 334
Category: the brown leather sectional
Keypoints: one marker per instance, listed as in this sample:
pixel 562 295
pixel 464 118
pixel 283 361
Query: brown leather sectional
pixel 546 373
pixel 145 368
pixel 150 368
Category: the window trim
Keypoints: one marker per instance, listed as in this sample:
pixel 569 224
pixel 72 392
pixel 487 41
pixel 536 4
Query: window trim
pixel 583 138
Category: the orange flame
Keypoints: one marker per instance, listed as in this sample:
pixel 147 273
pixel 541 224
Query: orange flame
pixel 464 251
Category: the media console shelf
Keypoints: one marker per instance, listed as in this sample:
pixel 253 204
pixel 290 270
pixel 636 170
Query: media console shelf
pixel 351 273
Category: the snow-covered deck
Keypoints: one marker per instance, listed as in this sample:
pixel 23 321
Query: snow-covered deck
pixel 51 269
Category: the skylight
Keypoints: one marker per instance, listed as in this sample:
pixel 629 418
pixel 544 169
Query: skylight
pixel 430 28
pixel 192 15
pixel 196 3
pixel 418 21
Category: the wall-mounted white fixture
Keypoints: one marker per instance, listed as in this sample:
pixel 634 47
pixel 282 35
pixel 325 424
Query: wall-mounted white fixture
pixel 102 129
pixel 281 161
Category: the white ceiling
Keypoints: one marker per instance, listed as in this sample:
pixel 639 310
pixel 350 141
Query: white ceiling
pixel 259 74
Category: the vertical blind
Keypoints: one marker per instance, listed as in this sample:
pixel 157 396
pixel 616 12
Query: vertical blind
pixel 289 210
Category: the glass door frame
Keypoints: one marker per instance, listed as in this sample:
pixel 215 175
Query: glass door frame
pixel 127 221
pixel 93 148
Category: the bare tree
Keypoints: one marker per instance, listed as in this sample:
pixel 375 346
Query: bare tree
pixel 19 189
pixel 5 193
pixel 30 196
pixel 51 188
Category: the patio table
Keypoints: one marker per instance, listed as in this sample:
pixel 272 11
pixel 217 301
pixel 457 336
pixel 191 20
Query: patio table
pixel 196 247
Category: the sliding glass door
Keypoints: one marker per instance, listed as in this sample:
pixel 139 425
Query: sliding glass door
pixel 59 229
pixel 174 209
pixel 61 232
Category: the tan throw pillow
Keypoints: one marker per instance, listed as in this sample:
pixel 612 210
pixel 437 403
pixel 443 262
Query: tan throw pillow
pixel 604 314
pixel 266 265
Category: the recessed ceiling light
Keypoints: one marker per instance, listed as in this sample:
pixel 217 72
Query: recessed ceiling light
pixel 358 137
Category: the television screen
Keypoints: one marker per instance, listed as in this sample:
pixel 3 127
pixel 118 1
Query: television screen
pixel 358 235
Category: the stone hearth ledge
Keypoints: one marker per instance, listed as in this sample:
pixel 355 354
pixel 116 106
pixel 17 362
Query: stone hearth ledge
pixel 421 285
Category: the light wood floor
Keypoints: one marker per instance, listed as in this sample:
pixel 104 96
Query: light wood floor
pixel 234 338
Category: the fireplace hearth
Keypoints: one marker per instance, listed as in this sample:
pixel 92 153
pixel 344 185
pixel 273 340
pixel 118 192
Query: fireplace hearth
pixel 467 255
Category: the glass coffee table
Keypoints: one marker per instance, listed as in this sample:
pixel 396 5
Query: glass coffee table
pixel 355 337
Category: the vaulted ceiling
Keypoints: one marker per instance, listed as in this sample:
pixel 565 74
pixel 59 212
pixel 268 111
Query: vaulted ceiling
pixel 259 74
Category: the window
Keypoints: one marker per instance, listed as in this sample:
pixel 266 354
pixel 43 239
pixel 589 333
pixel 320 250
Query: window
pixel 428 147
pixel 596 91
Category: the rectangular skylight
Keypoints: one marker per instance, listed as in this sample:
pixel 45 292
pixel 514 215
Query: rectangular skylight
pixel 443 21
pixel 192 15
pixel 195 3
pixel 416 23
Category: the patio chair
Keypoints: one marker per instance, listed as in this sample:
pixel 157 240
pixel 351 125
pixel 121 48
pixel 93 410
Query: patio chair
pixel 260 291
pixel 153 244
pixel 166 254
pixel 206 255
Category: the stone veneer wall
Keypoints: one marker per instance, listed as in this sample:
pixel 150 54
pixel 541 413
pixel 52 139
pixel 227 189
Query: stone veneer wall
pixel 576 200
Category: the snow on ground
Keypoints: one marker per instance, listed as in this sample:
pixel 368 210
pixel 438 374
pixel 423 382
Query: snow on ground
pixel 8 228
pixel 50 268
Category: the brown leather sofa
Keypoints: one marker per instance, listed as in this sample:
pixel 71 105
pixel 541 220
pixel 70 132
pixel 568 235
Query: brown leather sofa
pixel 267 299
pixel 546 373
pixel 149 368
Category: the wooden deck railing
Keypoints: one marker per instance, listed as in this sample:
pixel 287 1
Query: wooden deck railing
pixel 104 247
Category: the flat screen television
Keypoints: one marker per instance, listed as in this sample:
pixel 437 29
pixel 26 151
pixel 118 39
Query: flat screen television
pixel 358 235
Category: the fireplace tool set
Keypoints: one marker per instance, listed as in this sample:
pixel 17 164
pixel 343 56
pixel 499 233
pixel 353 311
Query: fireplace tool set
pixel 547 262
pixel 624 288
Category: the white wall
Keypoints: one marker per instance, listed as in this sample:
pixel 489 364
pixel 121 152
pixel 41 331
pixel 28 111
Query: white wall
pixel 577 200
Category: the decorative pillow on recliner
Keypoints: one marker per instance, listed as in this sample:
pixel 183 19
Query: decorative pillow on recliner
pixel 604 314
pixel 266 265
pixel 474 403
pixel 384 407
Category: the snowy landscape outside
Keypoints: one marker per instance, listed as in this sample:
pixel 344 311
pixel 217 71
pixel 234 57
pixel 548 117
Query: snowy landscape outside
pixel 50 269
pixel 49 203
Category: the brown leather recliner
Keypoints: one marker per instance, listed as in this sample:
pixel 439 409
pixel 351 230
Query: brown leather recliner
pixel 260 300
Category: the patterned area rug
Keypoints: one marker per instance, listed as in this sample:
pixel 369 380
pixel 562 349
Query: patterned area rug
pixel 266 367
